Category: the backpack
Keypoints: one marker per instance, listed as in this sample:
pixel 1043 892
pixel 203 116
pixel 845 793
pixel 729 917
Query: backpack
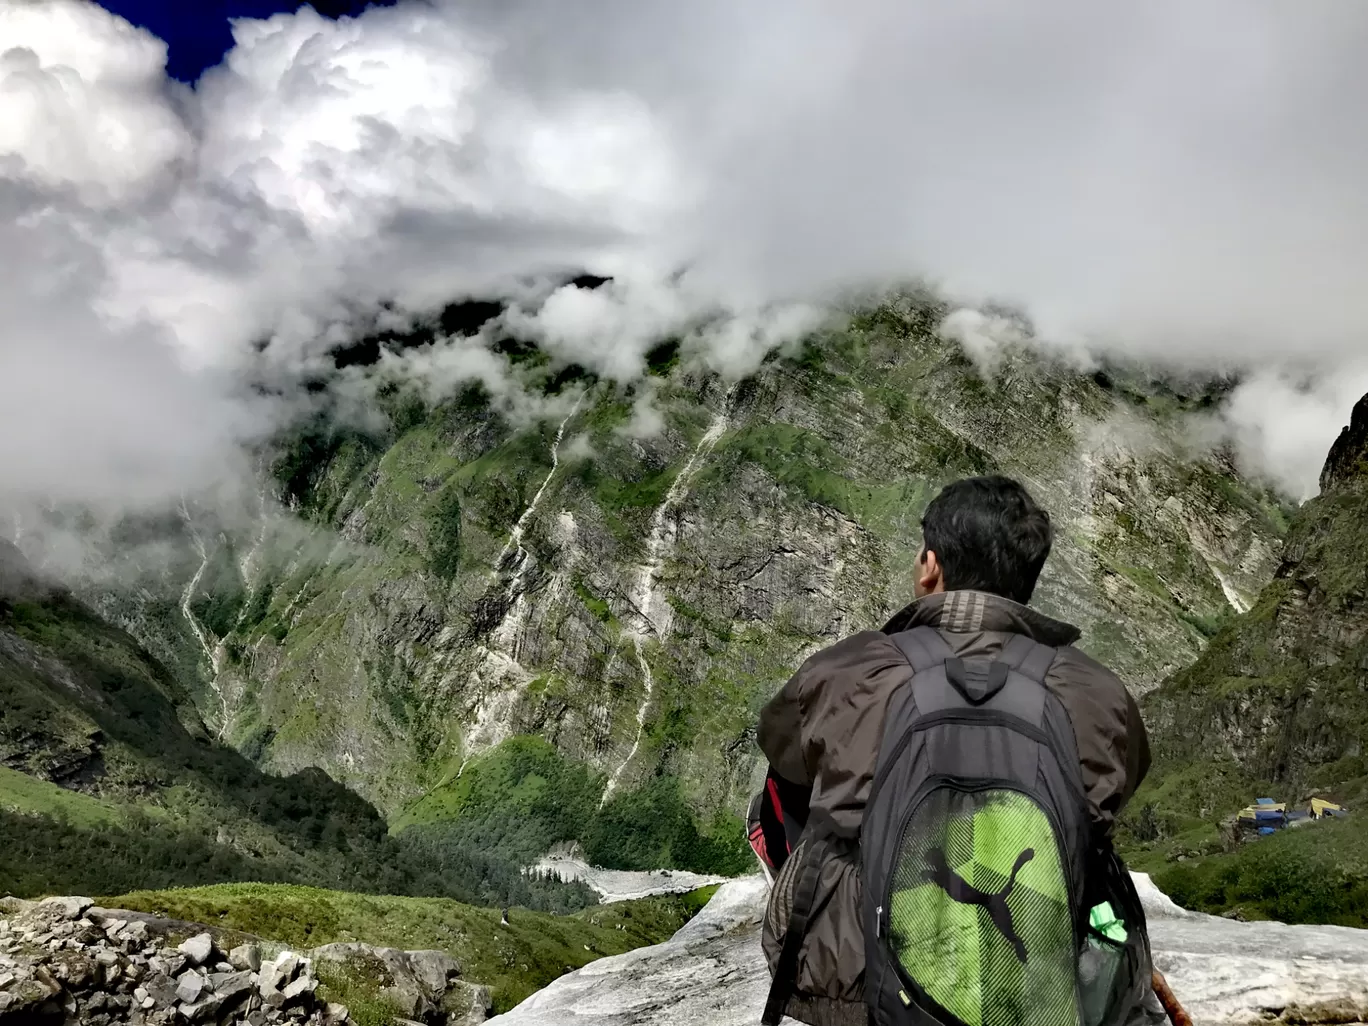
pixel 981 882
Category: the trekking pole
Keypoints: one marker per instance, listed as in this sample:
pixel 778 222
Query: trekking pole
pixel 1175 1011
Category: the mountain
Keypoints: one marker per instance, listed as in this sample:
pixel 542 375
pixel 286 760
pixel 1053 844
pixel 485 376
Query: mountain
pixel 462 610
pixel 110 782
pixel 1278 702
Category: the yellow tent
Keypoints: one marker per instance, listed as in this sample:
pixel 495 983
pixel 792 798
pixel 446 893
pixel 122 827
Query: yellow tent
pixel 1321 808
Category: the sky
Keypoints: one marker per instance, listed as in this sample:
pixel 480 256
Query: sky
pixel 198 33
pixel 1171 182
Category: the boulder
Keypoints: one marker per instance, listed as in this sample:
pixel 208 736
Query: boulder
pixel 161 990
pixel 198 949
pixel 295 993
pixel 246 957
pixel 231 986
pixel 203 1010
pixel 276 974
pixel 190 986
pixel 65 908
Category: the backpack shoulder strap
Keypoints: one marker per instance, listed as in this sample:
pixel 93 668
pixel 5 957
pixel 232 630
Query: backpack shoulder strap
pixel 1029 658
pixel 923 647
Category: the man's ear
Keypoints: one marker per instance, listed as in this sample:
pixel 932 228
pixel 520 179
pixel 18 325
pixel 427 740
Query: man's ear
pixel 930 579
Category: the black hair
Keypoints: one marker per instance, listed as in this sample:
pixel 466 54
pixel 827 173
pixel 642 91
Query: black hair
pixel 989 535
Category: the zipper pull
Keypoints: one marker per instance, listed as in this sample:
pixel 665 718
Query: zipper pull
pixel 878 922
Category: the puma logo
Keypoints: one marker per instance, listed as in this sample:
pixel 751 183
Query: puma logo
pixel 962 891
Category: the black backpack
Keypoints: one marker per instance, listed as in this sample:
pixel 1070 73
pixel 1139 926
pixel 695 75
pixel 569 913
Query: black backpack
pixel 978 864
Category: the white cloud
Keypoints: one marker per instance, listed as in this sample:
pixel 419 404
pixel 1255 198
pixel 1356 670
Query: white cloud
pixel 1284 427
pixel 1173 182
pixel 85 101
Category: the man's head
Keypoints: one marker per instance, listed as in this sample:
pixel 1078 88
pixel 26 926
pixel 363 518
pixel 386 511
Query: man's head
pixel 983 534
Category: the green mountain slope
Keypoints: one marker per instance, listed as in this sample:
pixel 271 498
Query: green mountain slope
pixel 109 781
pixel 1279 701
pixel 632 596
pixel 1277 705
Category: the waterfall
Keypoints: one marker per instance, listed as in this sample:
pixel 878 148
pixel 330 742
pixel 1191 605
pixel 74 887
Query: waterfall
pixel 498 658
pixel 213 652
pixel 643 593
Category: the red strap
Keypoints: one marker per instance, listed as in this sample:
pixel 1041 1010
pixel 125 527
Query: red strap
pixel 773 790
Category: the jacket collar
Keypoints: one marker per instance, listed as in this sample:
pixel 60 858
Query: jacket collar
pixel 967 612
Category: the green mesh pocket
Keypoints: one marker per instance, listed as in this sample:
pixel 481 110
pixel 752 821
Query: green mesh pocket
pixel 979 910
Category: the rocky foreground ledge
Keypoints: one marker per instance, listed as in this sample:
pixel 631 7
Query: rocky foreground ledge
pixel 66 961
pixel 712 973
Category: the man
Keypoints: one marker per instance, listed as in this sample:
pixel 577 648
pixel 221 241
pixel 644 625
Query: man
pixel 984 543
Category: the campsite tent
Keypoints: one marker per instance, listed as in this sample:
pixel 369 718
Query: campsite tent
pixel 1321 809
pixel 1265 814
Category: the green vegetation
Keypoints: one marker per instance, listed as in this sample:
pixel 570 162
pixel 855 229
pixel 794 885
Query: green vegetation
pixel 654 827
pixel 22 793
pixel 524 797
pixel 444 539
pixel 355 988
pixel 170 807
pixel 1316 873
pixel 803 461
pixel 514 961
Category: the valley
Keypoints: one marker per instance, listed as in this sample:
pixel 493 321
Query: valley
pixel 425 653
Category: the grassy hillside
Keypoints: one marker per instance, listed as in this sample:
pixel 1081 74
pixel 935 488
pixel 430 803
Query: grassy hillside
pixel 525 796
pixel 21 793
pixel 109 781
pixel 1313 874
pixel 514 961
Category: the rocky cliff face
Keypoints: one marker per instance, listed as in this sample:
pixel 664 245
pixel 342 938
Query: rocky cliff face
pixel 1279 700
pixel 634 592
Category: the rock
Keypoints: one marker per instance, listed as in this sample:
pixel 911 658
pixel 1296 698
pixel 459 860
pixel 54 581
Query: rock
pixel 231 986
pixel 434 969
pixel 136 932
pixel 294 993
pixel 271 996
pixel 417 981
pixel 336 1012
pixel 65 908
pixel 276 974
pixel 466 1004
pixel 246 956
pixel 190 986
pixel 203 1010
pixel 198 949
pixel 161 989
pixel 74 969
